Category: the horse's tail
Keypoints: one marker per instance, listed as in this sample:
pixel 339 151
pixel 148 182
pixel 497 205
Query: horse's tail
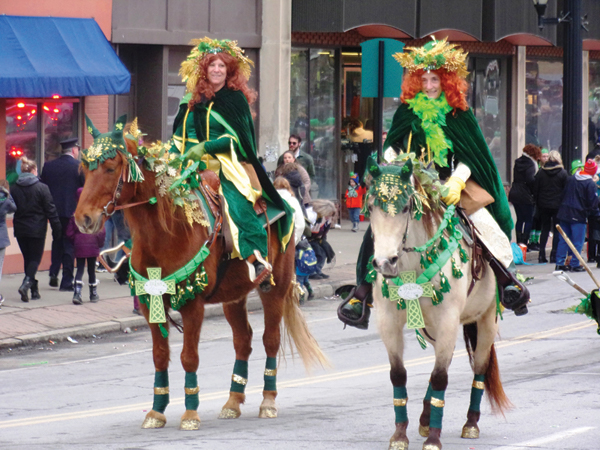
pixel 297 333
pixel 493 384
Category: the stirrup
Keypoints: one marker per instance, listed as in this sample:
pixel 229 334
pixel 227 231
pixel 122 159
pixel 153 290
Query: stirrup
pixel 263 278
pixel 362 323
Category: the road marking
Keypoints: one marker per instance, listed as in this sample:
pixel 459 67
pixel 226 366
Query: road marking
pixel 547 440
pixel 291 383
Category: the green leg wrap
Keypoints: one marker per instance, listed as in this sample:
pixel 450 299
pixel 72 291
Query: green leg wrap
pixel 476 392
pixel 400 399
pixel 271 374
pixel 437 409
pixel 191 391
pixel 428 393
pixel 161 391
pixel 240 376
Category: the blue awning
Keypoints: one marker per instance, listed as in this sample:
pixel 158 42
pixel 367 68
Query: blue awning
pixel 45 56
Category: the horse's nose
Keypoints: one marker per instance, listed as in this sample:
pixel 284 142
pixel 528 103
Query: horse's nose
pixel 386 266
pixel 87 222
pixel 393 260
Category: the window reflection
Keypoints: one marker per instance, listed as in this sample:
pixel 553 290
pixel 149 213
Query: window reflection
pixel 594 104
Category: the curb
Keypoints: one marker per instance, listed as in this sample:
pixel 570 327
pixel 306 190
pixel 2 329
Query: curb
pixel 213 310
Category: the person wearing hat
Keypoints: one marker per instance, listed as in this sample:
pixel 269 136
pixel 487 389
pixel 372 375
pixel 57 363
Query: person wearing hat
pixel 544 158
pixel 580 201
pixel 63 177
pixel 354 200
pixel 575 166
pixel 434 119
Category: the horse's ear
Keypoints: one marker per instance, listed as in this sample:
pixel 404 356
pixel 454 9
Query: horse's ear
pixel 91 128
pixel 407 170
pixel 120 126
pixel 372 167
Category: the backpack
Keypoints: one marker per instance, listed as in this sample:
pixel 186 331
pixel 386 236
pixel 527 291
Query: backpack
pixel 306 260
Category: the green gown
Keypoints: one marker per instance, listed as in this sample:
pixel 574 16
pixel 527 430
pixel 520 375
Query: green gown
pixel 227 147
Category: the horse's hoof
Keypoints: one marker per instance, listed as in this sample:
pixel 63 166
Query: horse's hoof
pixel 189 425
pixel 153 422
pixel 423 431
pixel 432 447
pixel 398 445
pixel 267 412
pixel 470 432
pixel 228 413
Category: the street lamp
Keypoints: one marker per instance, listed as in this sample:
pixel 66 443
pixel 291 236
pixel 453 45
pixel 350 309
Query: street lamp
pixel 572 74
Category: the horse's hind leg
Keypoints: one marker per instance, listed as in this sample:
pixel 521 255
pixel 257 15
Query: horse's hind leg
pixel 192 315
pixel 237 316
pixel 160 352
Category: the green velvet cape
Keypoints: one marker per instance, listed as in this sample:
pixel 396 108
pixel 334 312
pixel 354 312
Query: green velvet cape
pixel 233 107
pixel 469 147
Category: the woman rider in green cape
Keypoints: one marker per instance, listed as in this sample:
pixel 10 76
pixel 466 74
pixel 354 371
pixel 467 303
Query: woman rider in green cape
pixel 434 117
pixel 214 128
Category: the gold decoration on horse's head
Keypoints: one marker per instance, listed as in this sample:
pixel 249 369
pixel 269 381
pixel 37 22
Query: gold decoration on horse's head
pixel 189 70
pixel 433 56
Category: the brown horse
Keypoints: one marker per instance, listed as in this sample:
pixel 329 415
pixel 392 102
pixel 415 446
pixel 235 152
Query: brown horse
pixel 163 238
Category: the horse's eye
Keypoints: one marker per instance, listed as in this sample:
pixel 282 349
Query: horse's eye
pixel 405 210
pixel 110 170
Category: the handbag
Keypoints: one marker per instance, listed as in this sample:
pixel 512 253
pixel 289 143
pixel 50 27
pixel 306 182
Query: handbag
pixel 473 197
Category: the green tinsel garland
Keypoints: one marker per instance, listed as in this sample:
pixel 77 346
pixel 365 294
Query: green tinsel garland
pixel 432 113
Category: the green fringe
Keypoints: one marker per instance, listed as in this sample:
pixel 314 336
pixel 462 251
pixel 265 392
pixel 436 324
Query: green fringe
pixel 385 289
pixel 444 284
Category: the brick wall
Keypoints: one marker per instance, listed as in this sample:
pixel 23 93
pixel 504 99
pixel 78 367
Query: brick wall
pixel 97 110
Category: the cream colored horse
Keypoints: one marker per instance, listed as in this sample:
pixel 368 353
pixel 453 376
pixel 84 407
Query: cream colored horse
pixel 396 232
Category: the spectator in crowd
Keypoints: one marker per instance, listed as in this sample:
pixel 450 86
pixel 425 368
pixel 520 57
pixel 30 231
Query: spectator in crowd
pixel 521 192
pixel 63 177
pixel 288 158
pixel 35 208
pixel 325 210
pixel 594 225
pixel 302 158
pixel 7 206
pixel 358 132
pixel 580 201
pixel 354 199
pixel 550 182
pixel 86 249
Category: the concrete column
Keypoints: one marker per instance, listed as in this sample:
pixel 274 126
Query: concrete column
pixel 274 94
pixel 519 99
pixel 585 104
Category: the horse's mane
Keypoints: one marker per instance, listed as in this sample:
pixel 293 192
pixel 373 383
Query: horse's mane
pixel 168 214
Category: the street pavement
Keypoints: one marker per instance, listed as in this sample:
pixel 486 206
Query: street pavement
pixel 55 318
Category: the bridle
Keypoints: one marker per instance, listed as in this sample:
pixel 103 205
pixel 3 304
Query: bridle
pixel 117 195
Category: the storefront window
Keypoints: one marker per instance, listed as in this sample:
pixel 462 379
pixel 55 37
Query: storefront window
pixel 543 105
pixel 594 104
pixel 487 96
pixel 312 116
pixel 25 137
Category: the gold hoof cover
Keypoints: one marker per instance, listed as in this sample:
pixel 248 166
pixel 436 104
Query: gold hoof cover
pixel 470 433
pixel 153 422
pixel 267 412
pixel 398 445
pixel 423 431
pixel 432 447
pixel 228 413
pixel 189 425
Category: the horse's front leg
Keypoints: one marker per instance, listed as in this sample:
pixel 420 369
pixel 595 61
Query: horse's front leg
pixel 160 353
pixel 192 315
pixel 237 316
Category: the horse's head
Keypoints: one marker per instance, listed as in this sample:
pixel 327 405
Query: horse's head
pixel 389 202
pixel 105 164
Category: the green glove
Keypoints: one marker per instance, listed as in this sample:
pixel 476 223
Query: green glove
pixel 195 153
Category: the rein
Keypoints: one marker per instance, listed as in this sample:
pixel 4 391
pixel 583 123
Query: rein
pixel 117 195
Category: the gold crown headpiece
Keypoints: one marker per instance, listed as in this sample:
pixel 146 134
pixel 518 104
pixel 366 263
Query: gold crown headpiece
pixel 434 55
pixel 205 46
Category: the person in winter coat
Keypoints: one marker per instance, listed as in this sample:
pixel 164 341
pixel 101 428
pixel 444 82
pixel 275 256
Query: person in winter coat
pixel 291 172
pixel 288 157
pixel 7 206
pixel 521 192
pixel 550 182
pixel 35 208
pixel 579 202
pixel 86 249
pixel 354 200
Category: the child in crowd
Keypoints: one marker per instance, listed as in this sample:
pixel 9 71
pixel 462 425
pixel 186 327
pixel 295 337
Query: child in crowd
pixel 87 248
pixel 354 200
pixel 326 211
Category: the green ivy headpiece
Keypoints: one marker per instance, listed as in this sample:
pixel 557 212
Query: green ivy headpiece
pixel 106 146
pixel 206 46
pixel 433 56
pixel 391 185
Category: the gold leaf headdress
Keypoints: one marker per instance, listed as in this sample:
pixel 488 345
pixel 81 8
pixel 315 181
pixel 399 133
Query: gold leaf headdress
pixel 189 70
pixel 434 55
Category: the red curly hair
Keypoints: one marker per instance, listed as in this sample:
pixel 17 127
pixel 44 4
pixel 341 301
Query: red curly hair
pixel 453 86
pixel 235 80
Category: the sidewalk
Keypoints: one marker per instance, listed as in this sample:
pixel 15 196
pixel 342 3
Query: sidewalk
pixel 54 317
